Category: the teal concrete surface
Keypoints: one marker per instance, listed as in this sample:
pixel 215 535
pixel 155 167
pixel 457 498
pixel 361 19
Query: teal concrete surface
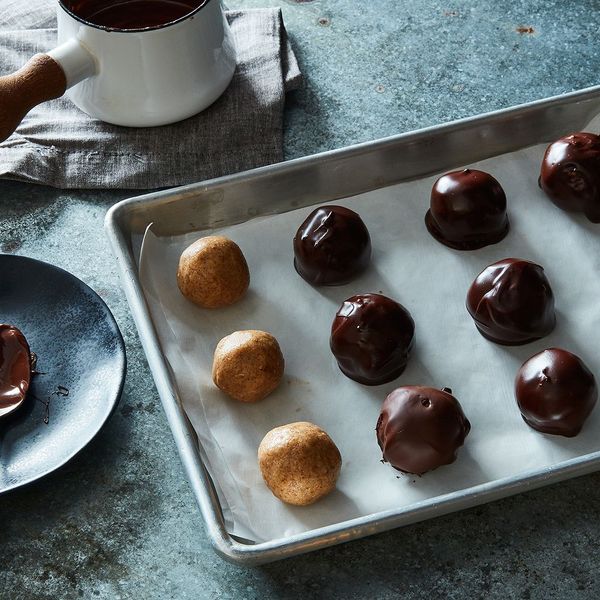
pixel 120 521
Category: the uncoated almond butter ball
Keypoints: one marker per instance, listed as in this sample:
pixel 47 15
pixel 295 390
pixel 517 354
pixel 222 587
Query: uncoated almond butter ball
pixel 299 463
pixel 213 272
pixel 248 365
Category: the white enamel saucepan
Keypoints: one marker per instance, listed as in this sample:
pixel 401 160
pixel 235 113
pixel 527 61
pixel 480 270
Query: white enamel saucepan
pixel 128 75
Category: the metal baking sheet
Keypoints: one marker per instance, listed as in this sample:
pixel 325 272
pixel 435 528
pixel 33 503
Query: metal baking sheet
pixel 315 180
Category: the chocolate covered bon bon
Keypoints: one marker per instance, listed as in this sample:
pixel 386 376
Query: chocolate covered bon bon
pixel 555 392
pixel 512 303
pixel 248 365
pixel 332 246
pixel 371 338
pixel 421 428
pixel 467 210
pixel 570 174
pixel 213 272
pixel 15 368
pixel 299 463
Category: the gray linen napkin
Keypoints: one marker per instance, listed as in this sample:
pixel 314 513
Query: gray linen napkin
pixel 58 145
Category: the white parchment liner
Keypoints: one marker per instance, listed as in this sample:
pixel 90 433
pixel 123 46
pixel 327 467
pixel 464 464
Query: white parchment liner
pixel 431 281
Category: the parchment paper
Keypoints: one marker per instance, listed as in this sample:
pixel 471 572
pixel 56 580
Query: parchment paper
pixel 431 281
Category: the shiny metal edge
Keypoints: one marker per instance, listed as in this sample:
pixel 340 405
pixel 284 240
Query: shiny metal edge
pixel 326 176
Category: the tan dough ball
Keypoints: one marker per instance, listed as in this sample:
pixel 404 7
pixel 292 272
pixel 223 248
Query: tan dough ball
pixel 248 365
pixel 299 463
pixel 213 272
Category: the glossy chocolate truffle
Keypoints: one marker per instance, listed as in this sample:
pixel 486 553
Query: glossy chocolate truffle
pixel 371 338
pixel 15 368
pixel 555 392
pixel 467 210
pixel 332 246
pixel 421 428
pixel 570 174
pixel 512 303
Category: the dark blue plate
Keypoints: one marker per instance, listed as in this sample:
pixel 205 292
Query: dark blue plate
pixel 81 360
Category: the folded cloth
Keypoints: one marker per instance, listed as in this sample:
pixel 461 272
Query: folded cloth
pixel 59 145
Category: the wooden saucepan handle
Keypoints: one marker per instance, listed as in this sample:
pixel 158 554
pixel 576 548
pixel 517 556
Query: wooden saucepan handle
pixel 40 79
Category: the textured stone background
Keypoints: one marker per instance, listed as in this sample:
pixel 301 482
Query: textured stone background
pixel 120 521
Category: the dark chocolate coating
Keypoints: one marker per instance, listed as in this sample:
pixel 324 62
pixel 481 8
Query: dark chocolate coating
pixel 371 338
pixel 15 367
pixel 332 246
pixel 512 303
pixel 570 174
pixel 467 210
pixel 421 428
pixel 555 392
pixel 131 14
